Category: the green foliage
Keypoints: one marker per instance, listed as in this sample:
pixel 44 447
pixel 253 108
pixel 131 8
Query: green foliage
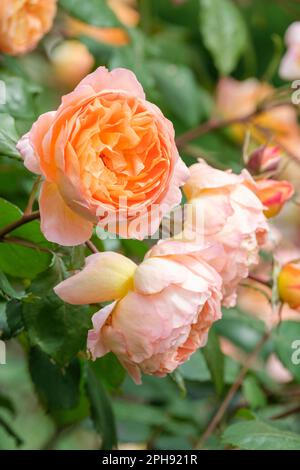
pixel 215 360
pixel 57 387
pixel 18 260
pixel 59 329
pixel 94 12
pixel 8 136
pixel 253 393
pixel 179 88
pixel 109 371
pixel 224 32
pixel 258 435
pixel 101 410
pixel 286 345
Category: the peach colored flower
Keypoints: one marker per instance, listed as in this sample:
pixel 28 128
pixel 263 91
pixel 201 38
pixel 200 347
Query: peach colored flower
pixel 273 195
pixel 126 13
pixel 235 99
pixel 23 23
pixel 71 62
pixel 162 311
pixel 105 154
pixel 226 211
pixel 290 64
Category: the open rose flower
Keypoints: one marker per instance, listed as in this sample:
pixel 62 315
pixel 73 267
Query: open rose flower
pixel 162 312
pixel 223 209
pixel 108 157
pixel 23 23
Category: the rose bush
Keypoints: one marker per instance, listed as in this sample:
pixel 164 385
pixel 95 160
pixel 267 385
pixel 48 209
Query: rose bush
pixel 123 258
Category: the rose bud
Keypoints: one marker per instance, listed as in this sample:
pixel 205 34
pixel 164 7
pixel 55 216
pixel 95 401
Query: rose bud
pixel 289 284
pixel 264 159
pixel 71 61
pixel 273 195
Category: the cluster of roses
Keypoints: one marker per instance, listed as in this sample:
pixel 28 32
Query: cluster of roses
pixel 104 144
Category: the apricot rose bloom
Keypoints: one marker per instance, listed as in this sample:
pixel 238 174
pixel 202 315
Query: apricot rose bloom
pixel 162 309
pixel 108 157
pixel 23 23
pixel 224 210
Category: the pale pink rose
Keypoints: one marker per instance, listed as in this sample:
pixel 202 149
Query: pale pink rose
pixel 226 211
pixel 290 64
pixel 105 154
pixel 162 313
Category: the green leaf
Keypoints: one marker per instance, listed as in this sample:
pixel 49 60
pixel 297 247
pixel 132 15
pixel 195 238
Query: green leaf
pixel 17 260
pixel 7 403
pixel 224 32
pixel 253 393
pixel 215 360
pixel 287 346
pixel 66 417
pixel 179 88
pixel 258 435
pixel 10 431
pixel 94 12
pixel 59 329
pixel 136 248
pixel 57 387
pixel 195 368
pixel 109 371
pixel 14 318
pixel 6 290
pixel 140 413
pixel 101 410
pixel 20 94
pixel 179 380
pixel 8 136
pixel 244 331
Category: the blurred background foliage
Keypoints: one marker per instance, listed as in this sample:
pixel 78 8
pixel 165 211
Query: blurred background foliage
pixel 51 397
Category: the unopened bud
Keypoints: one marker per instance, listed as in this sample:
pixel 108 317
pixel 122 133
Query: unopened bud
pixel 264 159
pixel 289 284
pixel 71 61
pixel 273 195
